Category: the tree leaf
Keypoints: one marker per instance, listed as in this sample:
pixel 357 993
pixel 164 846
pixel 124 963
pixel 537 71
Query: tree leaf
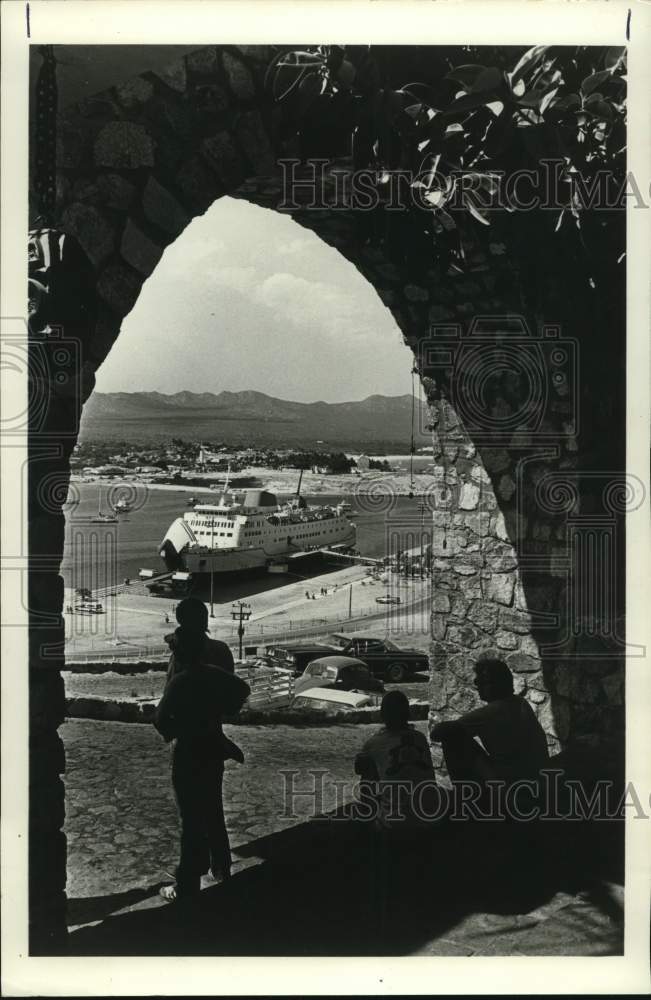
pixel 614 56
pixel 490 79
pixel 474 211
pixel 469 102
pixel 595 80
pixel 466 75
pixel 528 62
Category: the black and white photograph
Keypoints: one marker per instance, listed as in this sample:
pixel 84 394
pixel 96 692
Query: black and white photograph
pixel 328 446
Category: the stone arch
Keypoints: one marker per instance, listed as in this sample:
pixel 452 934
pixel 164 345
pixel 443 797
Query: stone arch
pixel 135 164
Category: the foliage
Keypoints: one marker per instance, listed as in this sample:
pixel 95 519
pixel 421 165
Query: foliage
pixel 332 462
pixel 465 126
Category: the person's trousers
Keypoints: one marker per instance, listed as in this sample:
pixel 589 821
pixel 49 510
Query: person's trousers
pixel 204 838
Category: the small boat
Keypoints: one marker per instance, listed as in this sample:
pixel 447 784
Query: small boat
pixel 122 507
pixel 101 517
pixel 104 519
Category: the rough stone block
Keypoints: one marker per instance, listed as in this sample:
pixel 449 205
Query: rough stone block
pixel 125 145
pixel 499 587
pixel 174 75
pixel 483 614
pixel 469 496
pixel 92 231
pixel 203 62
pixel 138 250
pixel 414 293
pixel 224 158
pixel 498 527
pixel 198 185
pixel 239 78
pixel 119 286
pixel 438 626
pixel 463 701
pixel 522 663
pixel 441 603
pixel 506 640
pixel 514 621
pixel 463 667
pixel 162 208
pixel 254 141
pixel 464 569
pixel 529 645
pixel 134 92
pixel 464 636
pixel 115 191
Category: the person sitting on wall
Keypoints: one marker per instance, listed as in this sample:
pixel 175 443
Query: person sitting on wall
pixel 396 770
pixel 513 744
pixel 200 691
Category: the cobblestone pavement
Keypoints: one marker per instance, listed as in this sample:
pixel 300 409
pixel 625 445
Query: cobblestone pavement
pixel 121 819
pixel 467 897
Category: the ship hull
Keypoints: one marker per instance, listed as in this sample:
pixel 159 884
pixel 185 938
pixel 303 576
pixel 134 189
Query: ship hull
pixel 225 562
pixel 252 536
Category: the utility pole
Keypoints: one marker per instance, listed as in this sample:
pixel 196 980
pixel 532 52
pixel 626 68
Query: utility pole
pixel 240 612
pixel 350 602
pixel 212 566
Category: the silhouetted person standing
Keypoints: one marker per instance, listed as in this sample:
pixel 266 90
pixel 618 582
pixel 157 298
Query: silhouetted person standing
pixel 513 743
pixel 201 689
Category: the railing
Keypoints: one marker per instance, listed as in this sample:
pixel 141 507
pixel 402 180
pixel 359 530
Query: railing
pixel 269 688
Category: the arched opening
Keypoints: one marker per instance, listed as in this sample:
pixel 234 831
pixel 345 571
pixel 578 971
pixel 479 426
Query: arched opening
pixel 256 357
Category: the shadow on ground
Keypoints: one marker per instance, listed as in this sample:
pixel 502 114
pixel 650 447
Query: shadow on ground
pixel 330 887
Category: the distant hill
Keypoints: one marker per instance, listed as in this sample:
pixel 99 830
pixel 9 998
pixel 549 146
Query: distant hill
pixel 252 418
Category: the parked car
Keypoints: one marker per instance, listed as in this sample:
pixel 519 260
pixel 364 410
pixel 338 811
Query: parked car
pixel 342 673
pixel 88 608
pixel 297 655
pixel 331 700
pixel 388 599
pixel 381 656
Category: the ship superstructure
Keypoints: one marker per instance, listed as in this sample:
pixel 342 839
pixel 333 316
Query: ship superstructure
pixel 255 531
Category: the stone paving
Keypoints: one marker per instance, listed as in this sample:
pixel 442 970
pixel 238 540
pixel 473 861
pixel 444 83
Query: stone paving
pixel 123 834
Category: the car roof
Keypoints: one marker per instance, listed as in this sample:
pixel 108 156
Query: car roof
pixel 338 661
pixel 352 698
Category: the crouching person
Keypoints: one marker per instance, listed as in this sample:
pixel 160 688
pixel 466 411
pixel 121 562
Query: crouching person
pixel 398 786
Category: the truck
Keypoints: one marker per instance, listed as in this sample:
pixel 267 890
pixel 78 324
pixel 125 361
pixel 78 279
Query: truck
pixel 382 656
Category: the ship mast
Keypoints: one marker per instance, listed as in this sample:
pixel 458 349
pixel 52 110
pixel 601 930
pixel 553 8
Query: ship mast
pixel 226 482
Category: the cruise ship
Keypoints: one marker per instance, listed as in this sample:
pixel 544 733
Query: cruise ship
pixel 256 532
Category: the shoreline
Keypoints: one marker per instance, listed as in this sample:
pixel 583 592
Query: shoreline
pixel 313 484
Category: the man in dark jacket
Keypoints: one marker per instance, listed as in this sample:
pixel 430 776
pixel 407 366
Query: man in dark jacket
pixel 198 694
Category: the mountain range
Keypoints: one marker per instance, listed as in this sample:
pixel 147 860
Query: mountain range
pixel 253 418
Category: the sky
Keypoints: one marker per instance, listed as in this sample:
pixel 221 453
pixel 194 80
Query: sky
pixel 247 299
